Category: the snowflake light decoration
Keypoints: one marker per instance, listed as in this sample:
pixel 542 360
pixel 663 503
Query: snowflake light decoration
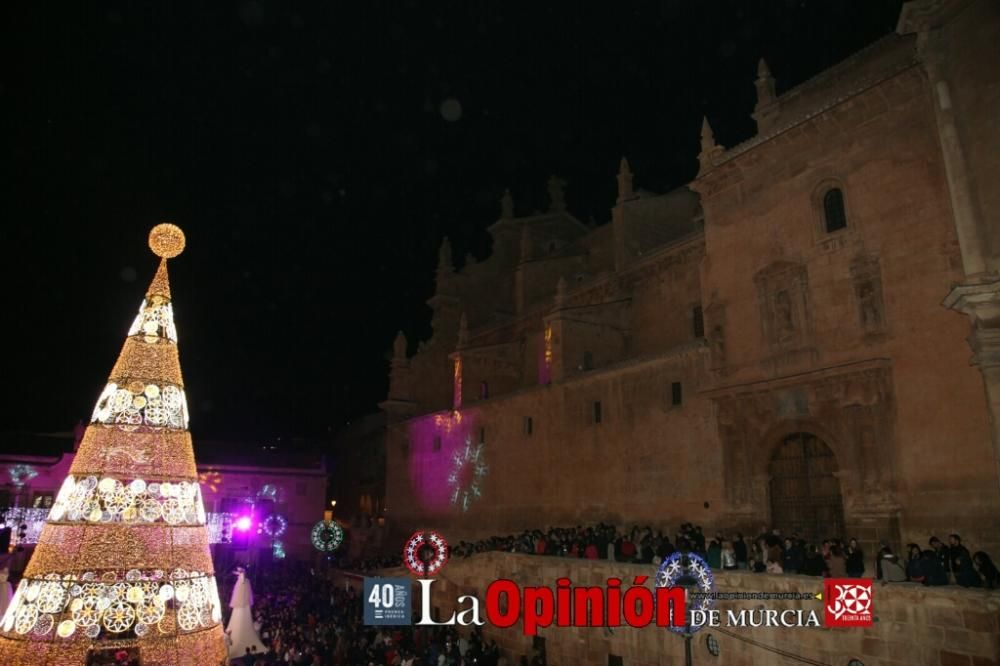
pixel 21 474
pixel 467 472
pixel 688 570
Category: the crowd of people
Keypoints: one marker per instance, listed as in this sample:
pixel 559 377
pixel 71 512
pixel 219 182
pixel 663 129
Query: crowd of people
pixel 305 619
pixel 767 552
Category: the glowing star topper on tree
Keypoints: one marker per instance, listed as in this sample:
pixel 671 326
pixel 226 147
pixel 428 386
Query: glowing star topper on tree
pixel 123 563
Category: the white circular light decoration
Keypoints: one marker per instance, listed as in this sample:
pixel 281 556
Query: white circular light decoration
pixel 327 536
pixel 688 570
pixel 419 541
pixel 275 525
pixel 119 602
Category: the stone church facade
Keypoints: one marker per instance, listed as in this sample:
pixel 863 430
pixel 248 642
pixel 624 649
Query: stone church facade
pixel 805 336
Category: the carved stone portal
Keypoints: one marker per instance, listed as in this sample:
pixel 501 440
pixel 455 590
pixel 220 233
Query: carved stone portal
pixel 851 412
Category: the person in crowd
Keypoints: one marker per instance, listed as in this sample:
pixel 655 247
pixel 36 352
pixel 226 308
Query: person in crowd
pixel 628 550
pixel 930 567
pixel 987 570
pixel 740 548
pixel 963 569
pixel 941 551
pixel 956 552
pixel 914 569
pixel 813 563
pixel 837 563
pixel 855 559
pixel 728 556
pixel 890 570
pixel 793 556
pixel 713 554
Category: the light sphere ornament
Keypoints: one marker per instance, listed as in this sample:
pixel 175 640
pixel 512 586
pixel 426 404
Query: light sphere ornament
pixel 166 240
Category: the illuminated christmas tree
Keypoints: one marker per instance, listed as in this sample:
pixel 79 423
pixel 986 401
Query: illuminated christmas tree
pixel 123 567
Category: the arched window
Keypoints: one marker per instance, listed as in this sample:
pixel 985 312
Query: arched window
pixel 834 217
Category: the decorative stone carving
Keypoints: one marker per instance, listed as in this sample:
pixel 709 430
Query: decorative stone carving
pixel 783 292
pixel 715 323
pixel 851 411
pixel 867 280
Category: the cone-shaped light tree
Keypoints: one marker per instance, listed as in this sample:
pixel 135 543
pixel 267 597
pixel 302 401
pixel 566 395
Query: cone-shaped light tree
pixel 123 563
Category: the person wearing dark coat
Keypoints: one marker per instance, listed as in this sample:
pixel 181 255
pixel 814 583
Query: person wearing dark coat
pixel 855 559
pixel 740 548
pixel 792 557
pixel 813 563
pixel 987 570
pixel 956 551
pixel 930 567
pixel 965 574
pixel 941 551
pixel 914 569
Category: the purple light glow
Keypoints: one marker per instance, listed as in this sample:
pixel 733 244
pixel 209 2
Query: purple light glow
pixel 429 469
pixel 243 523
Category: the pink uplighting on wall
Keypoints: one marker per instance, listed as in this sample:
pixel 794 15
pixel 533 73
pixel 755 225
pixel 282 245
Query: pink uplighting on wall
pixel 244 523
pixel 434 441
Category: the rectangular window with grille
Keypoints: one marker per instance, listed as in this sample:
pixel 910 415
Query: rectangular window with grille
pixel 676 394
pixel 597 412
pixel 528 425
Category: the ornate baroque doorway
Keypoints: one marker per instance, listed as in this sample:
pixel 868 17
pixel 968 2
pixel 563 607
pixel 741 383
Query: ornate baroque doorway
pixel 805 493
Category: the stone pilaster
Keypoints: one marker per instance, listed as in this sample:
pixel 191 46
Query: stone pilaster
pixel 981 301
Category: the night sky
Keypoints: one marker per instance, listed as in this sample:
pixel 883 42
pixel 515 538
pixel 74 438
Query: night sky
pixel 315 155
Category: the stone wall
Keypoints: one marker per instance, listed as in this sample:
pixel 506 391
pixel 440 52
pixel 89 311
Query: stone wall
pixel 913 624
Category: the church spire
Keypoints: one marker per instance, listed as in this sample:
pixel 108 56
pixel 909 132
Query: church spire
pixel 506 206
pixel 557 194
pixel 709 149
pixel 624 181
pixel 765 110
